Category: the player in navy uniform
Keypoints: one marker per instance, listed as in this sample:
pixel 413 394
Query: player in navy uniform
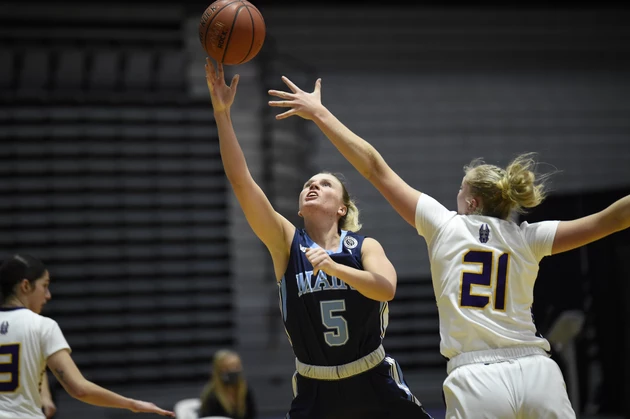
pixel 334 286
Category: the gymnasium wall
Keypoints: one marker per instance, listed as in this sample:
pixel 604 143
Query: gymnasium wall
pixel 111 173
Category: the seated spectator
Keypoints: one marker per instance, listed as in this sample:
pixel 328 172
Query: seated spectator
pixel 226 393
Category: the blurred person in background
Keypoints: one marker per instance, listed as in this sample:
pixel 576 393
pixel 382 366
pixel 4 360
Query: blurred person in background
pixel 227 392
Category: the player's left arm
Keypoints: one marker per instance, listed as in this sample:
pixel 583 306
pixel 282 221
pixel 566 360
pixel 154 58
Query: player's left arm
pixel 582 231
pixel 376 281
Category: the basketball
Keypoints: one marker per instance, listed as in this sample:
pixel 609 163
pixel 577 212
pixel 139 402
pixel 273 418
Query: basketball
pixel 232 31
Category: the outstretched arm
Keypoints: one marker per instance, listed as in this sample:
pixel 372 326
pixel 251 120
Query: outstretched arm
pixel 362 155
pixel 585 230
pixel 66 371
pixel 275 231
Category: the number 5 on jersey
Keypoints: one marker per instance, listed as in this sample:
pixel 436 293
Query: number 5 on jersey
pixel 484 278
pixel 337 325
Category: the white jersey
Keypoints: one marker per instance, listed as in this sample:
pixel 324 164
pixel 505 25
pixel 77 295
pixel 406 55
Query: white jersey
pixel 26 341
pixel 483 271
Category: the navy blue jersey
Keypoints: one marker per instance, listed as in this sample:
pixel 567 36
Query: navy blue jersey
pixel 328 322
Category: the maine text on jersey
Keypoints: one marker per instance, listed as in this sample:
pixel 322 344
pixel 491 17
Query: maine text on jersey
pixel 322 282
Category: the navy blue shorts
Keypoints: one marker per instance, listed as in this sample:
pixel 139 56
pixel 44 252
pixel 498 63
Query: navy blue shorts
pixel 380 393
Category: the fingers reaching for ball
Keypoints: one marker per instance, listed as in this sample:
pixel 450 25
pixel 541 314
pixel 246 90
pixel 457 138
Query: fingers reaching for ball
pixel 302 104
pixel 291 85
pixel 221 94
pixel 210 72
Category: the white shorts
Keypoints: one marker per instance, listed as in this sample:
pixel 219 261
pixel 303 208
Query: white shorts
pixel 527 387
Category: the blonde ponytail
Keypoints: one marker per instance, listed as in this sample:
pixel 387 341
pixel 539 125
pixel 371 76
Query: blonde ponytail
pixel 505 191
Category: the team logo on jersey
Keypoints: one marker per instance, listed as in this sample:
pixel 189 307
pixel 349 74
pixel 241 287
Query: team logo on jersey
pixel 484 233
pixel 350 242
pixel 4 328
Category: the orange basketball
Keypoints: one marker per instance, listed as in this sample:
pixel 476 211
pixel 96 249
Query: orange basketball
pixel 232 31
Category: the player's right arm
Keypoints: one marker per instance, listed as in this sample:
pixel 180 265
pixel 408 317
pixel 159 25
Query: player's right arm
pixel 575 233
pixel 275 231
pixel 66 371
pixel 361 154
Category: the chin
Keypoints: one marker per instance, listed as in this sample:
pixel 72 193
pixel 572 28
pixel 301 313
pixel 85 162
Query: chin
pixel 308 207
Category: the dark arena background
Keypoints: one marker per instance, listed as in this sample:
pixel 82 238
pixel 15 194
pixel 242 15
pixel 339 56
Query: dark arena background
pixel 110 172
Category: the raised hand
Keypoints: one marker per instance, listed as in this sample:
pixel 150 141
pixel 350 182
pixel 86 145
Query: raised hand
pixel 302 104
pixel 146 407
pixel 321 261
pixel 221 94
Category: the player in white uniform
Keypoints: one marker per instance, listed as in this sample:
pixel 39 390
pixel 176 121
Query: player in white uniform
pixel 483 267
pixel 29 342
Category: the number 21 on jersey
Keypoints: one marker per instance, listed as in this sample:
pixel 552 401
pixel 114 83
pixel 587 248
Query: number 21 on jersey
pixel 484 276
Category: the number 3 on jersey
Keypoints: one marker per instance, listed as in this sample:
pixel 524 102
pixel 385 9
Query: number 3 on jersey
pixel 338 334
pixel 484 277
pixel 9 371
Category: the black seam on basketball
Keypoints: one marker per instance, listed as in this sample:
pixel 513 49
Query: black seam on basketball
pixel 205 35
pixel 251 44
pixel 227 42
pixel 259 14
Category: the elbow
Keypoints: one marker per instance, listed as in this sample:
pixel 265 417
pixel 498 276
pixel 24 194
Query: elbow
pixel 236 180
pixel 387 298
pixel 240 179
pixel 376 167
pixel 370 168
pixel 79 390
pixel 389 293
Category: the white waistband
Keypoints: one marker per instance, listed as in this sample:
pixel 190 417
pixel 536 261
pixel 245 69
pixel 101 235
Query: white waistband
pixel 342 371
pixel 493 355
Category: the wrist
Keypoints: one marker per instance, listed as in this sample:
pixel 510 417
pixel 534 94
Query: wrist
pixel 132 404
pixel 222 112
pixel 320 114
pixel 335 270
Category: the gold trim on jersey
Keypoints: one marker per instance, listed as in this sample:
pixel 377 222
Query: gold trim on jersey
pixel 11 362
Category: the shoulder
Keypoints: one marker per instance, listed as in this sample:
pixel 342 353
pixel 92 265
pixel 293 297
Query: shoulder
pixel 47 326
pixel 299 235
pixel 299 238
pixel 371 245
pixel 36 323
pixel 431 216
pixel 356 236
pixel 33 318
pixel 427 203
pixel 46 321
pixel 540 227
pixel 212 396
pixel 353 240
